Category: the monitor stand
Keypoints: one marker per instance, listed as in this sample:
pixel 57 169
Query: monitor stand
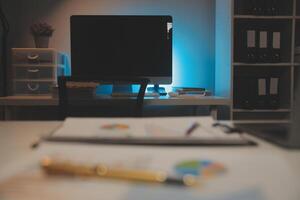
pixel 156 89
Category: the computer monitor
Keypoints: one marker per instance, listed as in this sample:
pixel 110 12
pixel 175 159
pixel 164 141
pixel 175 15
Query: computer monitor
pixel 122 46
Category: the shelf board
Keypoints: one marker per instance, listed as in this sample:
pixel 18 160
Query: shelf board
pixel 27 100
pixel 261 121
pixel 262 17
pixel 265 110
pixel 296 64
pixel 264 64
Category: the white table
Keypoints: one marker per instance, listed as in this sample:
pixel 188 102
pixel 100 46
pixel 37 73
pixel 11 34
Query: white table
pixel 16 138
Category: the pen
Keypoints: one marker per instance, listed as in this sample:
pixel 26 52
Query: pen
pixel 190 130
pixel 51 166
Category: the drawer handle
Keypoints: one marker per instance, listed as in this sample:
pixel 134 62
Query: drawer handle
pixel 33 88
pixel 33 57
pixel 33 70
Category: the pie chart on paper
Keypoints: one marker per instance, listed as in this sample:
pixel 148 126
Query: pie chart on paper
pixel 200 168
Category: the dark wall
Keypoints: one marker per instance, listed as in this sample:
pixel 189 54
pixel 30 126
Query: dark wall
pixel 194 29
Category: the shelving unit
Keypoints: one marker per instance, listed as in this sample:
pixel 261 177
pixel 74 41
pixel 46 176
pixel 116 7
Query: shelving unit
pixel 283 17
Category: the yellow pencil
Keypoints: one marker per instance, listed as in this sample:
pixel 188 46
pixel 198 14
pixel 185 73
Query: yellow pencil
pixel 52 166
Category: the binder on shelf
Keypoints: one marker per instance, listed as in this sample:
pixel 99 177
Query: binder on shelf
pixel 268 93
pixel 274 93
pixel 246 92
pixel 276 46
pixel 257 93
pixel 263 46
pixel 251 46
pixel 261 93
pixel 263 50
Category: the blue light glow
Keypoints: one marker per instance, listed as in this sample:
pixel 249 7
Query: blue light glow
pixel 193 37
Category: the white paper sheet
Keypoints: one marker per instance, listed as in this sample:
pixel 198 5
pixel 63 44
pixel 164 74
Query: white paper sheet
pixel 161 128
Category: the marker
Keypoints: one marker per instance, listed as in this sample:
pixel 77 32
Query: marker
pixel 51 166
pixel 192 129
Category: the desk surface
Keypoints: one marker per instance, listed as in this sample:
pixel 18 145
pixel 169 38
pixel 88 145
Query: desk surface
pixel 16 138
pixel 164 100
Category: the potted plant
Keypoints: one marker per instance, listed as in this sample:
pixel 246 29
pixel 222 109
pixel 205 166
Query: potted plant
pixel 41 32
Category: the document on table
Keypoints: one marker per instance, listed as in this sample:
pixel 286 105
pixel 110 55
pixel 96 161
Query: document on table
pixel 143 131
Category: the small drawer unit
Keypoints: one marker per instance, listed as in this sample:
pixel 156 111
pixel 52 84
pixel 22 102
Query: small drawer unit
pixel 35 71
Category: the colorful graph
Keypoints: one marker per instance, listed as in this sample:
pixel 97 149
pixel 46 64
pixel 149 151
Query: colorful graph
pixel 201 168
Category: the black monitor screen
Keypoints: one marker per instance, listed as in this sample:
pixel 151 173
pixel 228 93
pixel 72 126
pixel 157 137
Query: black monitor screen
pixel 122 46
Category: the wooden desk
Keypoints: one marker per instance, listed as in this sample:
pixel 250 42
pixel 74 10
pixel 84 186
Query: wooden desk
pixel 28 101
pixel 10 102
pixel 16 138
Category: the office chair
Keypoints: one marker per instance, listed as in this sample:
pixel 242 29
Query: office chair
pixel 66 101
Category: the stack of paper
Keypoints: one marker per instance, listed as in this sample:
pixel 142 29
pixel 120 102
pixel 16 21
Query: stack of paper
pixel 168 131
